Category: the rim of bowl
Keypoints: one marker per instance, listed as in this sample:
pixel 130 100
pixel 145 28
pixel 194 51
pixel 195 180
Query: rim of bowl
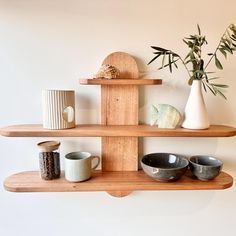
pixel 166 153
pixel 215 159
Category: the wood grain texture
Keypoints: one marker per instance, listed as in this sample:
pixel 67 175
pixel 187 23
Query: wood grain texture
pixel 116 181
pixel 36 130
pixel 119 193
pixel 119 106
pixel 120 81
pixel 121 154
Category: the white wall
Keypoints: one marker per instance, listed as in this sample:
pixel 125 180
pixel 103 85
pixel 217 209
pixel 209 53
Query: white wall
pixel 51 44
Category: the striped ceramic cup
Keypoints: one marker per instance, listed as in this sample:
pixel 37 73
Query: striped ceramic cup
pixel 58 109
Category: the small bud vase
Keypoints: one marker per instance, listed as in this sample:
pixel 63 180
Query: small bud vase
pixel 195 114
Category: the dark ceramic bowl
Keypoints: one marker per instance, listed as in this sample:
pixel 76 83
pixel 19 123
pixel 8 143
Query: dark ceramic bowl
pixel 164 166
pixel 205 167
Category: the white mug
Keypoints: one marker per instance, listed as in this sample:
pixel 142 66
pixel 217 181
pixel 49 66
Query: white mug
pixel 78 166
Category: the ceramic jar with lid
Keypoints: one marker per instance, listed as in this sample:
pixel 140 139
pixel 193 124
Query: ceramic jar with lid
pixel 49 160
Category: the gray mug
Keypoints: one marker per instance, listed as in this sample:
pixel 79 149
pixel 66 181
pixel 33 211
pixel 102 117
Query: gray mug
pixel 78 166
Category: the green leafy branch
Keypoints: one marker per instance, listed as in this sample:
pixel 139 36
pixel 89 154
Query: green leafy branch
pixel 193 62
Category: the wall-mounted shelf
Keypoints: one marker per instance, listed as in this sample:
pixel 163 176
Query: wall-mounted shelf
pixel 119 130
pixel 34 130
pixel 127 181
pixel 120 81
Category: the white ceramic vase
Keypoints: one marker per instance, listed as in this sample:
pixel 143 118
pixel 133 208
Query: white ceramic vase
pixel 195 114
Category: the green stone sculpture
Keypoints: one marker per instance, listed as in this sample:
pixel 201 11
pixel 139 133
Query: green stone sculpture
pixel 165 116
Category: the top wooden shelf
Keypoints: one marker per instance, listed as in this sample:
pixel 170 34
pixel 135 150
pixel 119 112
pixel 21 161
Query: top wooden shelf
pixel 120 81
pixel 34 130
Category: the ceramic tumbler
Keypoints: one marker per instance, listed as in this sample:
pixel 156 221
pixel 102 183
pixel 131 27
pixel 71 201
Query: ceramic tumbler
pixel 78 166
pixel 58 109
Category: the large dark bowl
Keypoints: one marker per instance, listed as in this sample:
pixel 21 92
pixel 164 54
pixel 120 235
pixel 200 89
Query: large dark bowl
pixel 164 166
pixel 205 167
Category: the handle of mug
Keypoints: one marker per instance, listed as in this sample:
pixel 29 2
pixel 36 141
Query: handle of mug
pixel 98 161
pixel 68 114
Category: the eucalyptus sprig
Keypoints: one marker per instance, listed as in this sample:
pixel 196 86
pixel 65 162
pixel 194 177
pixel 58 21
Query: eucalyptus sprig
pixel 193 61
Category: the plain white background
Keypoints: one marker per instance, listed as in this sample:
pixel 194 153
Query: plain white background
pixel 50 45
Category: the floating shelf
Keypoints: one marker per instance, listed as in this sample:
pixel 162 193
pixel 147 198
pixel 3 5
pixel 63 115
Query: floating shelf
pixel 119 132
pixel 120 81
pixel 34 130
pixel 30 181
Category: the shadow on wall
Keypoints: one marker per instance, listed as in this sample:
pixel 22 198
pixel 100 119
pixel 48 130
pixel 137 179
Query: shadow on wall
pixel 87 110
pixel 166 93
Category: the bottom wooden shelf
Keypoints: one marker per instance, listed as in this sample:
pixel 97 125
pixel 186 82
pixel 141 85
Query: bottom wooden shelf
pixel 30 181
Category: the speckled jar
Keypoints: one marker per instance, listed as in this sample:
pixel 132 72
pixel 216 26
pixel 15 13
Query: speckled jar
pixel 49 160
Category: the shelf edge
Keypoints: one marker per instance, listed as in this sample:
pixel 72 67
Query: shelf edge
pixel 142 184
pixel 34 130
pixel 120 81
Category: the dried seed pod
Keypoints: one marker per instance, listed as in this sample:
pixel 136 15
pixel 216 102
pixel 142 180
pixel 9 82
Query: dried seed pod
pixel 107 72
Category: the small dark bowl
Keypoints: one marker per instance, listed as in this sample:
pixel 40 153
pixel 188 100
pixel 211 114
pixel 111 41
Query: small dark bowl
pixel 164 166
pixel 205 167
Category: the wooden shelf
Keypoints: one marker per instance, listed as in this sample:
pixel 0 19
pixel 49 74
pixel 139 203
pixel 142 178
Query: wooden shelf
pixel 34 130
pixel 30 181
pixel 120 81
pixel 115 178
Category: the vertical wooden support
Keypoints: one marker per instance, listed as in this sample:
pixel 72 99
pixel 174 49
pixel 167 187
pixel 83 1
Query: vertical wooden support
pixel 120 107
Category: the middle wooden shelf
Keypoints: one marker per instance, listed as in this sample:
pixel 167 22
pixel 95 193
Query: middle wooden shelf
pixel 87 130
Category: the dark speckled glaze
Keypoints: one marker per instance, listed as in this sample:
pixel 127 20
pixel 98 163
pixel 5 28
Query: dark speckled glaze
pixel 205 167
pixel 164 166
